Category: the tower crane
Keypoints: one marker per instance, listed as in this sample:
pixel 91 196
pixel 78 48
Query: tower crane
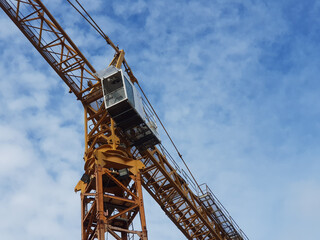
pixel 123 150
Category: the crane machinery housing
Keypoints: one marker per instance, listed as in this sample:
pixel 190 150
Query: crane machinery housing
pixel 123 150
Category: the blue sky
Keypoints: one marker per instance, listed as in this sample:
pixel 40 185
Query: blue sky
pixel 235 82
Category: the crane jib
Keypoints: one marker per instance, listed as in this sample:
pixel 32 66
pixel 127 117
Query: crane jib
pixel 55 46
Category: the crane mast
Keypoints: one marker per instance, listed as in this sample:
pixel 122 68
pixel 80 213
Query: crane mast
pixel 116 165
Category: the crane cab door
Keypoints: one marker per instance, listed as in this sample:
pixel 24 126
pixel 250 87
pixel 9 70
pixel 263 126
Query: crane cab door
pixel 119 100
pixel 124 104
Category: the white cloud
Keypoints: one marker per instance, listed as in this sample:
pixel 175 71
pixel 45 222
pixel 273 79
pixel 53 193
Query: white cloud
pixel 245 124
pixel 136 7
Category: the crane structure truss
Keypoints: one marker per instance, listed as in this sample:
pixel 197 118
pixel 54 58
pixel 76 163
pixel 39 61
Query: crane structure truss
pixel 111 193
pixel 106 209
pixel 47 36
pixel 115 171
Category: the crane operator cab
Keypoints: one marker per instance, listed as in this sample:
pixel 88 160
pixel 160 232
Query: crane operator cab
pixel 124 104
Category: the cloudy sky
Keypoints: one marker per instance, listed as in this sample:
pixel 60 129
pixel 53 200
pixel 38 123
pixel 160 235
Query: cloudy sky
pixel 235 82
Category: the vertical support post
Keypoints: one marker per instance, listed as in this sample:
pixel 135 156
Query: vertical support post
pixel 82 216
pixel 101 219
pixel 141 207
pixel 124 236
pixel 85 129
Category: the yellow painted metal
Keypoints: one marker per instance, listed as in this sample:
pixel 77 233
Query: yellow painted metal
pixel 110 158
pixel 81 186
